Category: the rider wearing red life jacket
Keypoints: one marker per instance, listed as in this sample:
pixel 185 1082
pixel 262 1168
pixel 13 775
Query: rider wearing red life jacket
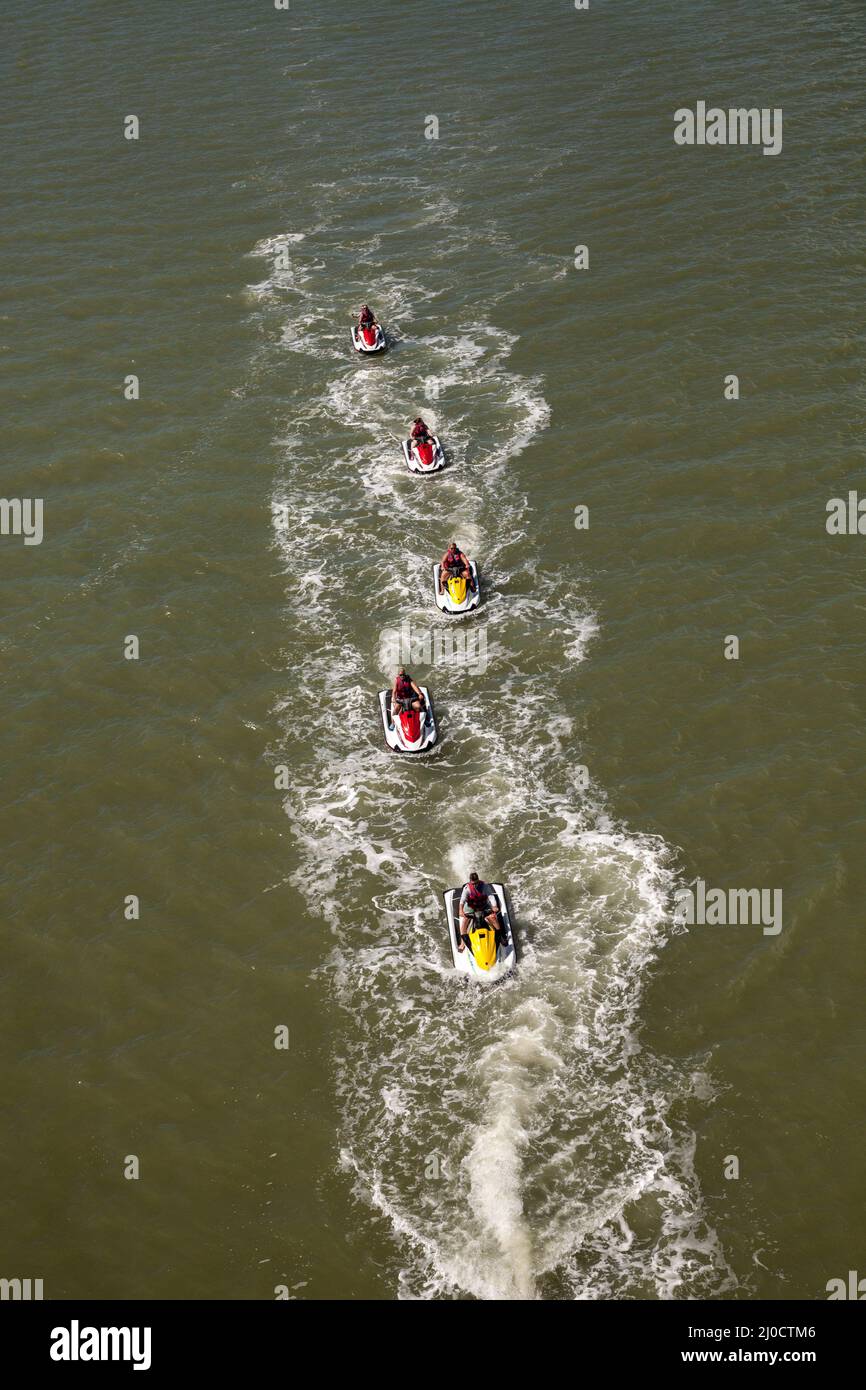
pixel 367 317
pixel 405 694
pixel 478 895
pixel 454 562
pixel 420 433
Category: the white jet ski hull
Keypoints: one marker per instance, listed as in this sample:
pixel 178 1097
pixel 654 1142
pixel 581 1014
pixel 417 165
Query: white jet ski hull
pixel 393 733
pixel 360 346
pixel 464 961
pixel 446 602
pixel 413 462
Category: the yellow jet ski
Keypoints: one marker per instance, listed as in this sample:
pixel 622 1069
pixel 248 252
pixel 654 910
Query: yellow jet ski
pixel 485 957
pixel 457 596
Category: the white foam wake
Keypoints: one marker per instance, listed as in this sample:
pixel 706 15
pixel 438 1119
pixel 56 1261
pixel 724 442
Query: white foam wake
pixel 519 1142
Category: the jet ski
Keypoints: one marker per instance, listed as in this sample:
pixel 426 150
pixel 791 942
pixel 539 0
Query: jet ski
pixel 370 339
pixel 423 458
pixel 483 959
pixel 413 731
pixel 457 596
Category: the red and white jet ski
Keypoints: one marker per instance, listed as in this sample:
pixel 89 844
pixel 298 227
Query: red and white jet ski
pixel 424 458
pixel 410 730
pixel 368 339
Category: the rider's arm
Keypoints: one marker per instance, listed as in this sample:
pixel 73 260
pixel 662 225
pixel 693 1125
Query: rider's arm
pixel 418 692
pixel 464 895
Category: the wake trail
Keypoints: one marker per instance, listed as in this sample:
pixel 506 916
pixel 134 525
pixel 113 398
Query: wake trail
pixel 517 1142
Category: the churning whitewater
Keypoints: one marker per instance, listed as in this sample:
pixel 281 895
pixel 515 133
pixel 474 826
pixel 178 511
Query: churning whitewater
pixel 518 1141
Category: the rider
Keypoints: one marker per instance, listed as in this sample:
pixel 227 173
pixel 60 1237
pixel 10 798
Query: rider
pixel 420 433
pixel 455 562
pixel 405 694
pixel 367 318
pixel 477 894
